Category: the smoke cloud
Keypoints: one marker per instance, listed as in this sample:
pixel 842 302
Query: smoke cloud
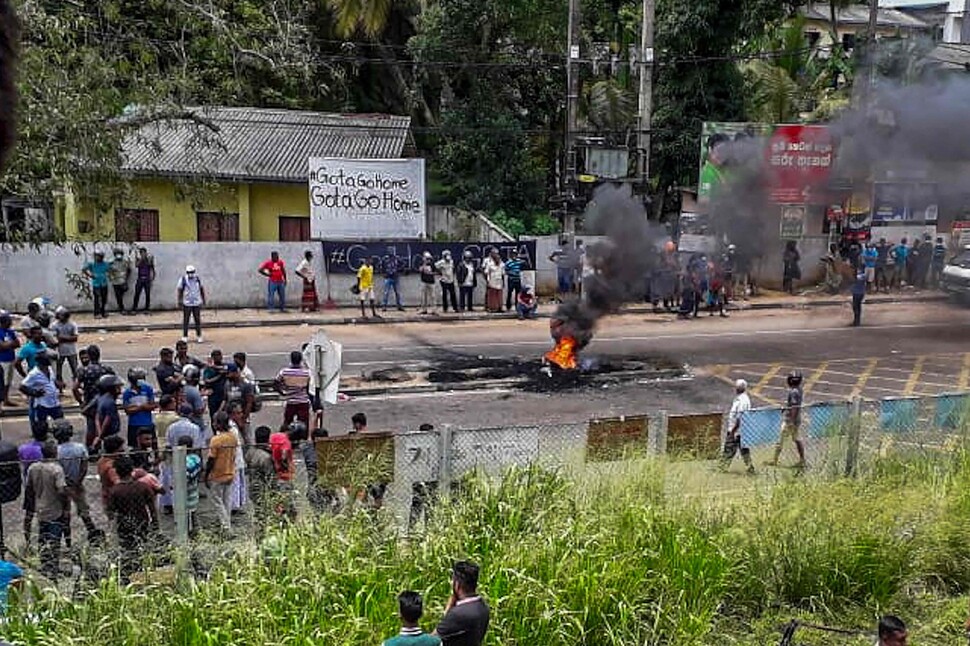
pixel 621 263
pixel 910 133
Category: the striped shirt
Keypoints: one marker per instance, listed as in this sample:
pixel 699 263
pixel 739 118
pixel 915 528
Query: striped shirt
pixel 294 382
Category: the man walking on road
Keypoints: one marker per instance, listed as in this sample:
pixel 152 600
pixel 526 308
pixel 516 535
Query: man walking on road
pixel 792 418
pixel 9 343
pixel 275 270
pixel 66 331
pixel 45 496
pixel 191 294
pixel 74 460
pixel 859 287
pixel 733 442
pixel 392 271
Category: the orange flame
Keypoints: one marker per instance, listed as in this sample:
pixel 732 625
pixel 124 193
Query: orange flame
pixel 564 354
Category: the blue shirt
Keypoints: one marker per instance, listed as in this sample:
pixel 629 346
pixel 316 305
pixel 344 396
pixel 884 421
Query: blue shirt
pixel 143 395
pixel 902 253
pixel 8 574
pixel 513 268
pixel 108 411
pixel 870 256
pixel 99 273
pixel 37 380
pixel 7 356
pixel 29 351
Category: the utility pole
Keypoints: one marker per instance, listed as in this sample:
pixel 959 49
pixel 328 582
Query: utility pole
pixel 572 114
pixel 646 91
pixel 965 24
pixel 871 47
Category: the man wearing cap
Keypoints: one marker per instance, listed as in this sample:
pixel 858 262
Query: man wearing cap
pixel 119 271
pixel 97 272
pixel 732 441
pixel 191 294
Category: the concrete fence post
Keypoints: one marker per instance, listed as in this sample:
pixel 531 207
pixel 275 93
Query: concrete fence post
pixel 854 437
pixel 180 495
pixel 657 437
pixel 445 435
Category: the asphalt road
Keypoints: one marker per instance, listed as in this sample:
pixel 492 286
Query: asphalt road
pixel 918 349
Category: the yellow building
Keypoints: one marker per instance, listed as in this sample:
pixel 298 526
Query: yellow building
pixel 231 174
pixel 852 22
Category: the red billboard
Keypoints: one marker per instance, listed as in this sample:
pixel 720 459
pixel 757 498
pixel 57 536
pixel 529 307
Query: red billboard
pixel 799 162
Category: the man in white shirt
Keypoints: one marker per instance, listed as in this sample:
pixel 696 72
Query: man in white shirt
pixel 732 441
pixel 191 294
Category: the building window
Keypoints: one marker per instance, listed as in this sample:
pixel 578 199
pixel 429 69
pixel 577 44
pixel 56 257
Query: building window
pixel 136 225
pixel 812 37
pixel 23 220
pixel 294 229
pixel 848 42
pixel 218 227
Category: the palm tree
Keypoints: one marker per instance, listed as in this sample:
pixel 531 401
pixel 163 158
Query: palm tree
pixel 366 17
pixel 609 106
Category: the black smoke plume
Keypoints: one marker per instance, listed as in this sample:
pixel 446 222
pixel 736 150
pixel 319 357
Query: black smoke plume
pixel 622 262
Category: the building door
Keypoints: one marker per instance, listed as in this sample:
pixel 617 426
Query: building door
pixel 294 229
pixel 136 225
pixel 217 227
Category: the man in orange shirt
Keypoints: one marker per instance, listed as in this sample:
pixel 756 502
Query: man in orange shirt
pixel 220 468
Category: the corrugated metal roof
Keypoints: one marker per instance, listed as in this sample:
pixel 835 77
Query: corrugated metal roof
pixel 950 56
pixel 255 144
pixel 913 4
pixel 859 15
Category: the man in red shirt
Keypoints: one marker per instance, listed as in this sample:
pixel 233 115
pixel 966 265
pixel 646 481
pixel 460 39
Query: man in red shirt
pixel 275 270
pixel 281 448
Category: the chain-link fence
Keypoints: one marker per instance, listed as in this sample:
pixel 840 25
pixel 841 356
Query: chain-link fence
pixel 77 519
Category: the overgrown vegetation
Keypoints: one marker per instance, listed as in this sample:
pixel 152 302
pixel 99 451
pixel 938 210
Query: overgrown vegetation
pixel 597 560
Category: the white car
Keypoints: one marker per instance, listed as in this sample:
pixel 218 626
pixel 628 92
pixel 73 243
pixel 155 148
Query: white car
pixel 956 275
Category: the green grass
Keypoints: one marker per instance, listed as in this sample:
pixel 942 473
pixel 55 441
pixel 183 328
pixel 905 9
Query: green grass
pixel 616 557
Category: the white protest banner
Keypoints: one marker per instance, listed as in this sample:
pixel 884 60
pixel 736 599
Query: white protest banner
pixel 362 199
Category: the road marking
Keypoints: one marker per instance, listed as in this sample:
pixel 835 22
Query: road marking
pixel 765 379
pixel 815 376
pixel 965 372
pixel 864 377
pixel 914 376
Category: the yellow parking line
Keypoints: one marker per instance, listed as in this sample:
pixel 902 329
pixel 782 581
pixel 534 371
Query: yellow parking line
pixel 914 376
pixel 764 381
pixel 864 377
pixel 965 372
pixel 815 376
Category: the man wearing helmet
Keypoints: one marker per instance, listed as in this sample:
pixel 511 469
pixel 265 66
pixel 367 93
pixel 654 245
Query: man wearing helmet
pixel 192 396
pixel 138 400
pixel 107 419
pixel 792 419
pixel 86 389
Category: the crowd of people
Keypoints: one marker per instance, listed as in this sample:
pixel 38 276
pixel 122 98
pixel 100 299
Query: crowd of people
pixel 456 283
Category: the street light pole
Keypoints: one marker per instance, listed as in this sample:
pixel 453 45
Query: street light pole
pixel 572 113
pixel 646 91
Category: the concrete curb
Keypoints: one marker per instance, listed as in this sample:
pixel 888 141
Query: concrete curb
pixel 454 318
